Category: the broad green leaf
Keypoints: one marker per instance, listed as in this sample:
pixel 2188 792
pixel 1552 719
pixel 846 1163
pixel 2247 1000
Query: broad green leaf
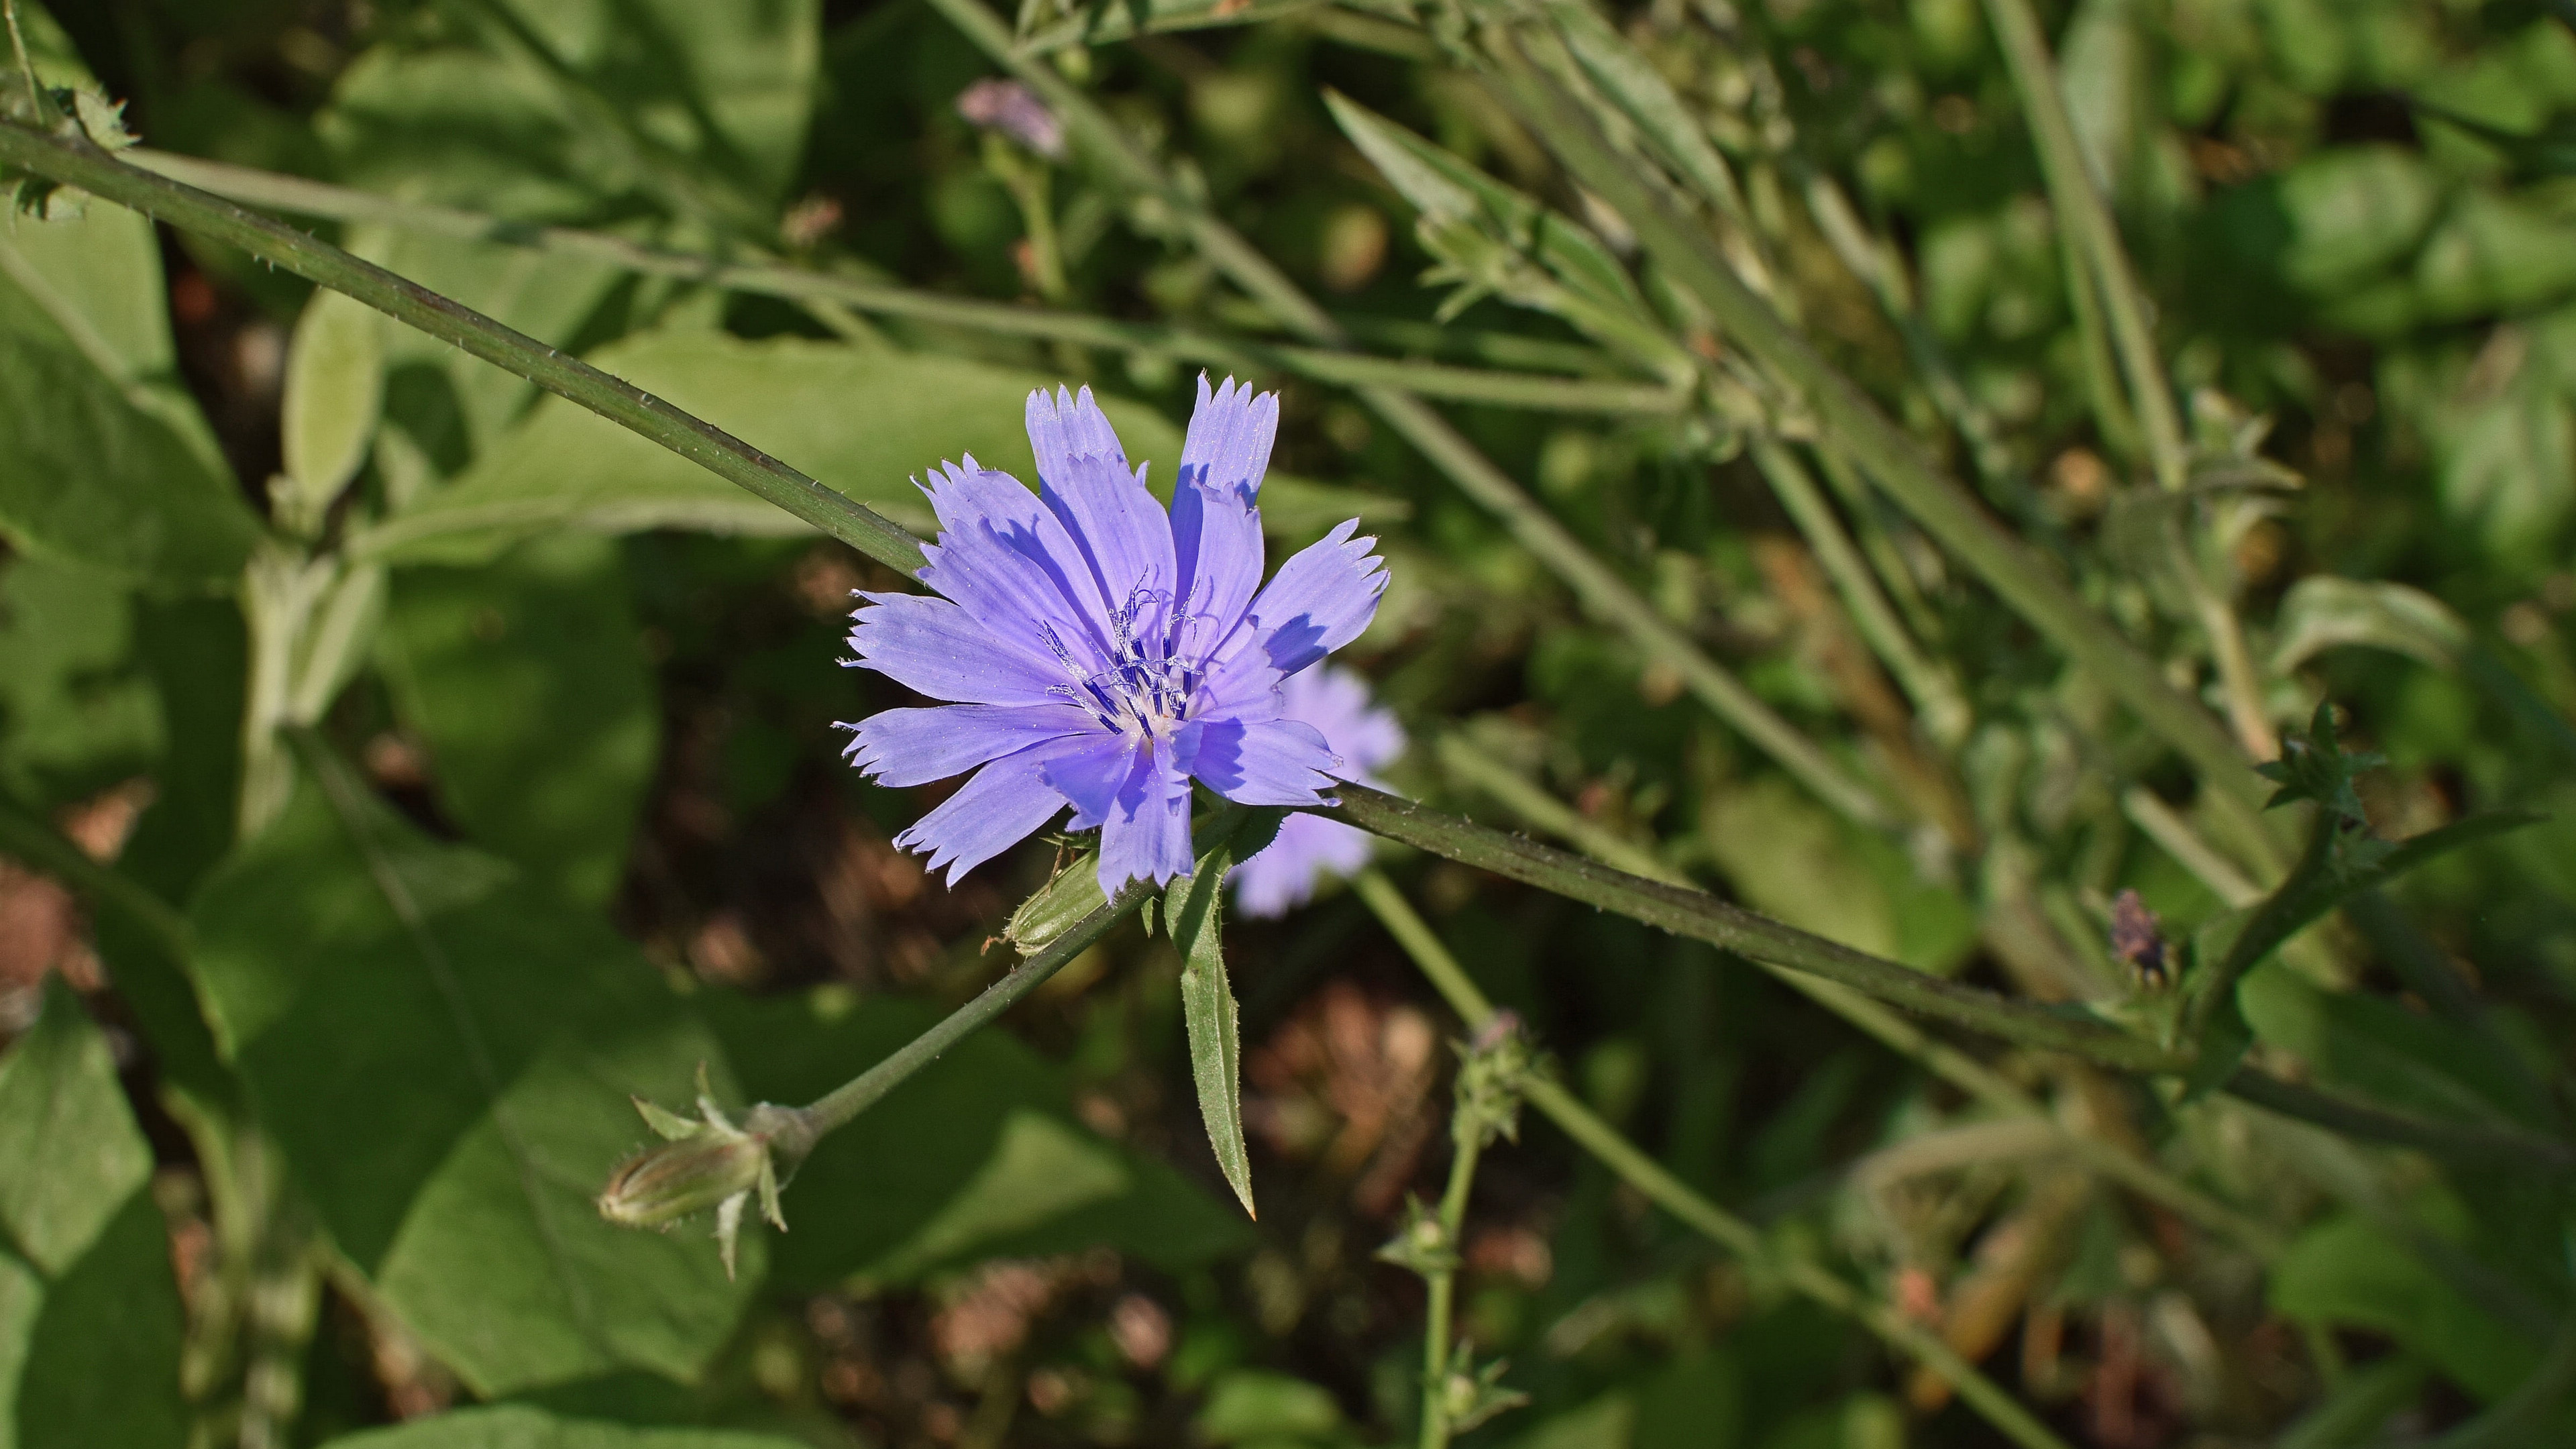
pixel 2323 612
pixel 2351 212
pixel 1258 1406
pixel 97 476
pixel 527 679
pixel 335 384
pixel 77 712
pixel 519 1426
pixel 722 93
pixel 2492 253
pixel 89 1314
pixel 2386 1052
pixel 975 1156
pixel 2345 1272
pixel 445 1053
pixel 866 423
pixel 69 1151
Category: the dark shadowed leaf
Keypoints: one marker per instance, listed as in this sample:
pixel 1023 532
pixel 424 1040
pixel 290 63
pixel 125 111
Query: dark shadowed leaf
pixel 527 680
pixel 446 1053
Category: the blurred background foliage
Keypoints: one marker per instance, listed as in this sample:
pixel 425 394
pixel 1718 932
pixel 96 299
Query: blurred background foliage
pixel 588 695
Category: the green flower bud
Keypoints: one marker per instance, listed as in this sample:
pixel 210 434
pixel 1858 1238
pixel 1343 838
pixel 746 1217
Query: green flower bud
pixel 676 1179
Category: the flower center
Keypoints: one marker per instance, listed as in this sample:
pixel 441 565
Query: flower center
pixel 1146 688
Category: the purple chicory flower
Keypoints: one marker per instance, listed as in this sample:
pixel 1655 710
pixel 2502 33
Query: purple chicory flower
pixel 1102 652
pixel 1014 110
pixel 1308 847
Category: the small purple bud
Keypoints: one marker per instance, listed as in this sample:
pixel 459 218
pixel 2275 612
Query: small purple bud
pixel 1014 110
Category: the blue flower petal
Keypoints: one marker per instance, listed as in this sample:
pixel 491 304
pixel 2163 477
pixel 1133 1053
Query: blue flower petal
pixel 1216 526
pixel 916 746
pixel 933 647
pixel 1141 800
pixel 1264 762
pixel 1006 802
pixel 1320 599
pixel 1122 533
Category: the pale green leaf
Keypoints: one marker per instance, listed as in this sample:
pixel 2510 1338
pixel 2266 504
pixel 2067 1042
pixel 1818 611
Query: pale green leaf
pixel 519 1426
pixel 866 423
pixel 2323 612
pixel 335 383
pixel 69 1151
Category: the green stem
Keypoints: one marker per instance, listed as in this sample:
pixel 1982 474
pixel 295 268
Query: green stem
pixel 2108 276
pixel 2081 211
pixel 834 1109
pixel 1443 1285
pixel 1692 1209
pixel 1512 389
pixel 1701 916
pixel 1934 692
pixel 1883 450
pixel 77 163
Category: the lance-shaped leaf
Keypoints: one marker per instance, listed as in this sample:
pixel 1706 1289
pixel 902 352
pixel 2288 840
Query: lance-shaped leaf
pixel 523 1426
pixel 1193 910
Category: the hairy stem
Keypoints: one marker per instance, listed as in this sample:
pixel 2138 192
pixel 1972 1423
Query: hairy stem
pixel 1695 1211
pixel 1442 1283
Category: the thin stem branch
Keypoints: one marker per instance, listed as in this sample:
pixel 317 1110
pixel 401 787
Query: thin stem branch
pixel 1884 451
pixel 301 197
pixel 1442 1283
pixel 2108 276
pixel 1687 1205
pixel 834 1109
pixel 1934 692
pixel 77 163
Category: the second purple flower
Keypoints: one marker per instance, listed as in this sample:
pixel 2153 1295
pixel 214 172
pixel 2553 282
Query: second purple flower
pixel 1102 652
